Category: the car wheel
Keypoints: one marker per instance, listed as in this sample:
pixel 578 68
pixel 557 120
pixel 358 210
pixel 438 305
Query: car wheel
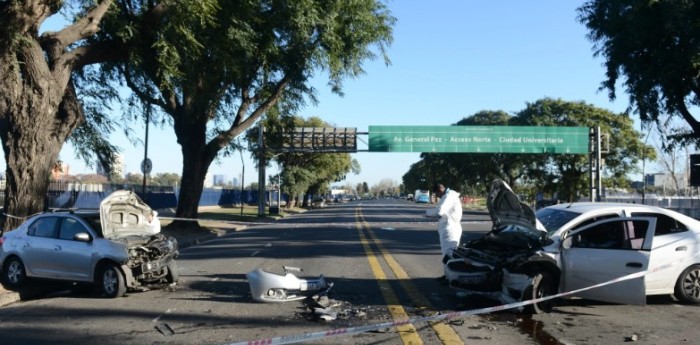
pixel 173 275
pixel 14 275
pixel 542 286
pixel 111 281
pixel 688 286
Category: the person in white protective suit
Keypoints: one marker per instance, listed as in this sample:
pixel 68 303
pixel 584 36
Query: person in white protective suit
pixel 153 223
pixel 449 209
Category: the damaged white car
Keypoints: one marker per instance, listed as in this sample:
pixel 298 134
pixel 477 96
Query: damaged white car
pixel 112 249
pixel 567 247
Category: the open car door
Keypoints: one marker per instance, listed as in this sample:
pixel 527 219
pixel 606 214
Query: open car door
pixel 608 251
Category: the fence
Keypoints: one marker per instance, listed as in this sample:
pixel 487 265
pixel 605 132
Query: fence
pixel 89 195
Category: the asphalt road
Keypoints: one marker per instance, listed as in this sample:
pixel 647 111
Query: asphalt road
pixel 382 257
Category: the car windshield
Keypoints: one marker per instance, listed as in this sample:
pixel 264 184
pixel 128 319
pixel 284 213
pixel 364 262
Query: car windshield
pixel 553 219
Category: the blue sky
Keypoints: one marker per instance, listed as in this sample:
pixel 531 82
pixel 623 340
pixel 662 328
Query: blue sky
pixel 450 59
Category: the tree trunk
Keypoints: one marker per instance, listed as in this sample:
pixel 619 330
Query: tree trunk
pixel 36 117
pixel 35 121
pixel 197 156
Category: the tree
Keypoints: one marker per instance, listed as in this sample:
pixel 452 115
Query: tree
pixel 480 169
pixel 652 48
pixel 235 62
pixel 134 179
pixel 470 173
pixel 671 161
pixel 568 173
pixel 564 174
pixel 165 179
pixel 92 178
pixel 39 106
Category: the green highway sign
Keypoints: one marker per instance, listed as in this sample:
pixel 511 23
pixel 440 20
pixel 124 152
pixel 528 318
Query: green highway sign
pixel 479 139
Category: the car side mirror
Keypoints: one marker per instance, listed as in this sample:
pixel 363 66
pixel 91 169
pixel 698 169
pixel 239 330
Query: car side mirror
pixel 82 237
pixel 566 243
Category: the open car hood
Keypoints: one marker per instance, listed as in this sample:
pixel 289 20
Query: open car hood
pixel 123 213
pixel 506 209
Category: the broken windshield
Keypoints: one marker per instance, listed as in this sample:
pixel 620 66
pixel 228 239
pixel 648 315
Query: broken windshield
pixel 553 219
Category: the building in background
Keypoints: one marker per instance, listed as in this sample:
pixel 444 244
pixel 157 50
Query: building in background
pixel 219 179
pixel 119 167
pixel 663 183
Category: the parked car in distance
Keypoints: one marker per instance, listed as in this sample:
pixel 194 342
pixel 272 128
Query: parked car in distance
pixel 318 203
pixel 569 247
pixel 111 249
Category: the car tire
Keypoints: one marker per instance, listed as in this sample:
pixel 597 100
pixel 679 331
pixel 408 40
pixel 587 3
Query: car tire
pixel 111 281
pixel 14 274
pixel 542 286
pixel 173 275
pixel 687 289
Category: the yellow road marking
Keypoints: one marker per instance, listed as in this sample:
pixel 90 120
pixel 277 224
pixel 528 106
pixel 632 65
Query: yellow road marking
pixel 406 331
pixel 443 331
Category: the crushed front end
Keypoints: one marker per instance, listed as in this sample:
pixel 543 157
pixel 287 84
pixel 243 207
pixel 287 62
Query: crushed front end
pixel 150 259
pixel 480 266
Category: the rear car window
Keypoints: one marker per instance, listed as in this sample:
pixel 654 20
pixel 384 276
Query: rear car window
pixel 664 224
pixel 43 227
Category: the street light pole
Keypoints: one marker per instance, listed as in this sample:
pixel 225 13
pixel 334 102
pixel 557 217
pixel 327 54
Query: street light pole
pixel 644 161
pixel 242 180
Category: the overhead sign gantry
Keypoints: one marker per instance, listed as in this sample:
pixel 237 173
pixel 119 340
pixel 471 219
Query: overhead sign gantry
pixel 449 139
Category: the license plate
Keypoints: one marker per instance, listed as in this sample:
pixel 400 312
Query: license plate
pixel 472 279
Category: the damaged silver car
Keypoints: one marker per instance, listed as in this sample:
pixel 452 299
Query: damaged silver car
pixel 583 247
pixel 112 250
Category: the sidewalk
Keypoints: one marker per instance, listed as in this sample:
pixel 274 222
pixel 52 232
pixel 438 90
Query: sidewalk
pixel 7 297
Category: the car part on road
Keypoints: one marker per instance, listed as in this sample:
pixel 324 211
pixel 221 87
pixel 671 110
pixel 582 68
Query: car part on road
pixel 272 287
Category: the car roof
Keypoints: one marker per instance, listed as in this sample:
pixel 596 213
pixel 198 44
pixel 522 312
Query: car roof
pixel 584 207
pixel 80 212
pixel 597 207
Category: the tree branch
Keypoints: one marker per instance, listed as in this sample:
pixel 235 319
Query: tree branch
pixel 688 117
pixel 85 27
pixel 140 93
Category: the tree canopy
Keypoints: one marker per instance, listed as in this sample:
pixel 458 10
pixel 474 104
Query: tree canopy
pixel 213 68
pixel 652 47
pixel 563 174
pixel 39 105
